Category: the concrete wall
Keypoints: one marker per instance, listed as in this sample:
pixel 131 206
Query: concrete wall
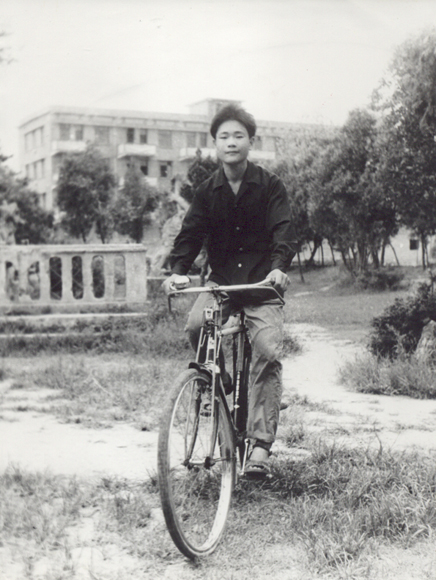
pixel 73 276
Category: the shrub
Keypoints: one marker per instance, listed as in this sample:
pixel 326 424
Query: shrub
pixel 380 279
pixel 398 329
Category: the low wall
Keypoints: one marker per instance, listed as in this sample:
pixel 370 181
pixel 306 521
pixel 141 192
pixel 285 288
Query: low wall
pixel 72 275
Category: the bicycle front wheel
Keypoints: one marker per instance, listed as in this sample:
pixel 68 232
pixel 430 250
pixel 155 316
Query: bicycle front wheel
pixel 196 465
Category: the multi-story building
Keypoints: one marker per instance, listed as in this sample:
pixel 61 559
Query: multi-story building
pixel 162 145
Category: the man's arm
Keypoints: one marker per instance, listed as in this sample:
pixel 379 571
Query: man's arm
pixel 188 243
pixel 284 240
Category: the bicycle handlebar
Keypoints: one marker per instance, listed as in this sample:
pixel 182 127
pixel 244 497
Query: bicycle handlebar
pixel 263 285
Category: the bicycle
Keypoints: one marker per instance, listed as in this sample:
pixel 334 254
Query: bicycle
pixel 201 437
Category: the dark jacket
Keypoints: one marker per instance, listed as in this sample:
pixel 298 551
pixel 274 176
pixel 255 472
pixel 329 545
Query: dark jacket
pixel 246 235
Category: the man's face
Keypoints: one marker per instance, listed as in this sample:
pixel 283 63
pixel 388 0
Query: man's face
pixel 232 142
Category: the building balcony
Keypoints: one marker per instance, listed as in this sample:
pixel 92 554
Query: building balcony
pixel 258 155
pixel 67 147
pixel 191 152
pixel 136 150
pixel 151 181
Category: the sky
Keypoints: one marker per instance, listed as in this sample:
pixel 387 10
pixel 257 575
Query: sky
pixel 310 61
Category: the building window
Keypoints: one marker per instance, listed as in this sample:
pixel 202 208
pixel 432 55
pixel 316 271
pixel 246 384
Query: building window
pixel 102 135
pixel 78 133
pixel 190 139
pixel 144 169
pixel 165 169
pixel 40 136
pixel 64 132
pixel 203 139
pixel 258 143
pixel 165 139
pixel 130 135
pixel 143 138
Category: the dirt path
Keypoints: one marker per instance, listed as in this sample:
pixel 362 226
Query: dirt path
pixel 37 441
pixel 397 423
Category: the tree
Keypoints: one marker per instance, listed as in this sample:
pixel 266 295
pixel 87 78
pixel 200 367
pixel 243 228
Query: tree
pixel 134 205
pixel 347 205
pixel 33 224
pixel 84 191
pixel 297 169
pixel 406 103
pixel 200 170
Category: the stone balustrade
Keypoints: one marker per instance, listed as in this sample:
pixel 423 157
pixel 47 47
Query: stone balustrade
pixel 72 275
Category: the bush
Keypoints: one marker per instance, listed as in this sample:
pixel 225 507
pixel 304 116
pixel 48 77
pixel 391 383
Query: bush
pixel 399 328
pixel 380 279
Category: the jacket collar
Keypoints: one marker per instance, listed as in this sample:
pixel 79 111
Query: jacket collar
pixel 251 176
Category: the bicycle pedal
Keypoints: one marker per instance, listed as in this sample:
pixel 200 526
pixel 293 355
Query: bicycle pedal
pixel 206 410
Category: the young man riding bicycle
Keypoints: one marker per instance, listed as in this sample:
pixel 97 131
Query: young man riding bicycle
pixel 242 213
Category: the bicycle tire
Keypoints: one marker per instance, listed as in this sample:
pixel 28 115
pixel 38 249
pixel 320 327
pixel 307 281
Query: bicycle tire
pixel 195 492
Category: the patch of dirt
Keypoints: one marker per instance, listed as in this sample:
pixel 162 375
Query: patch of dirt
pixel 37 441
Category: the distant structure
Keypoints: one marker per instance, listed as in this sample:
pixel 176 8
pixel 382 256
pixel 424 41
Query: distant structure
pixel 161 145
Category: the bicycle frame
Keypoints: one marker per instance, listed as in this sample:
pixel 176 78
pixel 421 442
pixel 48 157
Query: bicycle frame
pixel 208 349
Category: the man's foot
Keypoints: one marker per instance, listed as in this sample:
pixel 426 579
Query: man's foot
pixel 257 466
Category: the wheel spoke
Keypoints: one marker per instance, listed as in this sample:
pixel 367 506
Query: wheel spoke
pixel 195 488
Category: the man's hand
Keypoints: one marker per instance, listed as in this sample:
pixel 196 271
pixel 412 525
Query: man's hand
pixel 175 282
pixel 278 279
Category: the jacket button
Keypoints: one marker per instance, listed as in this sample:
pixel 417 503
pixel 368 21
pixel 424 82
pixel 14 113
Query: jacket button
pixel 239 265
pixel 238 228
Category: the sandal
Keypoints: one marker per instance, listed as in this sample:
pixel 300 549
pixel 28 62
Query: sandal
pixel 257 469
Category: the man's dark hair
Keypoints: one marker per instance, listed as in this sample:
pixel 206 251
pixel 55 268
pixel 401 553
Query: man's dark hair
pixel 233 113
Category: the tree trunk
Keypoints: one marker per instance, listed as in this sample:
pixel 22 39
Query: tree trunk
pixel 423 251
pixel 300 268
pixel 333 254
pixel 395 254
pixel 312 254
pixel 383 253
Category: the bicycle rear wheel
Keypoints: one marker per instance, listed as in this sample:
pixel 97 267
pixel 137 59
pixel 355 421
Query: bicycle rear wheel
pixel 195 485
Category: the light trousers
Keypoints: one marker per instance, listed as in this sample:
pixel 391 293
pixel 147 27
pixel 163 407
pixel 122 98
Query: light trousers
pixel 265 325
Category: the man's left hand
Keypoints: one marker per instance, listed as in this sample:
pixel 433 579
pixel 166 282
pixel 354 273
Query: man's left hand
pixel 278 279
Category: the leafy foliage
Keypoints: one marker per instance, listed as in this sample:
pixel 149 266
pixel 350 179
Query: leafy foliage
pixel 200 170
pixel 33 224
pixel 347 207
pixel 298 169
pixel 134 205
pixel 398 329
pixel 406 103
pixel 84 192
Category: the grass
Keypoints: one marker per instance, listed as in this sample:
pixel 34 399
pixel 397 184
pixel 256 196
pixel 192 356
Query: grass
pixel 330 511
pixel 327 299
pixel 98 391
pixel 325 515
pixel 402 376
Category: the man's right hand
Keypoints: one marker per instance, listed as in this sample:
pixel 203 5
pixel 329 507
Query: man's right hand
pixel 175 282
